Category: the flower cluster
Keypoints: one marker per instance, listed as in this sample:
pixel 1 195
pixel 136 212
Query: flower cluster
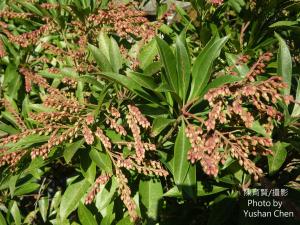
pixel 125 193
pixel 2 50
pixel 216 2
pixel 125 20
pixel 29 38
pixel 65 119
pixel 226 131
pixel 95 189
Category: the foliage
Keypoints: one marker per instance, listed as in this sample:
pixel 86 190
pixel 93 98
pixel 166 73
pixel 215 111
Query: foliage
pixel 114 115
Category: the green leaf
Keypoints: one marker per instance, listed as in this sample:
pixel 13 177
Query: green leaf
pixel 31 7
pixel 159 124
pixel 296 109
pixel 285 23
pixel 201 190
pixel 131 85
pixel 242 69
pixel 101 159
pixel 107 220
pixel 180 163
pixel 210 190
pixel 147 54
pixel 55 201
pixel 72 197
pixel 183 66
pixel 125 221
pixel 104 44
pixel 276 160
pixel 15 212
pixel 115 56
pixel 106 194
pixel 168 60
pixel 219 81
pixel 71 149
pixel 26 142
pixel 145 81
pixel 151 193
pixel 2 220
pixel 100 58
pixel 284 61
pixel 26 189
pixel 85 216
pixel 258 128
pixel 173 192
pixel 189 186
pixel 43 206
pixel 29 219
pixel 236 4
pixel 12 81
pixel 203 63
pixel 153 68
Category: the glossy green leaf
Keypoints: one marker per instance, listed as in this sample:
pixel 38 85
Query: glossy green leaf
pixel 71 149
pixel 159 124
pixel 181 163
pixel 101 159
pixel 296 109
pixel 55 201
pixel 115 56
pixel 183 66
pixel 43 207
pixel 219 81
pixel 2 219
pixel 85 215
pixel 15 212
pixel 104 44
pixel 202 65
pixel 12 81
pixel 130 84
pixel 168 60
pixel 145 81
pixel 26 188
pixel 72 197
pixel 189 186
pixel 285 23
pixel 100 58
pixel 106 194
pixel 258 128
pixel 242 69
pixel 147 54
pixel 203 190
pixel 107 220
pixel 151 193
pixel 284 61
pixel 125 221
pixel 276 160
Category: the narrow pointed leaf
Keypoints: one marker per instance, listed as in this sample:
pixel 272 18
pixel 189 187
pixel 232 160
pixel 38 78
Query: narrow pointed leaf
pixel 85 216
pixel 168 60
pixel 100 58
pixel 203 63
pixel 72 197
pixel 151 193
pixel 180 163
pixel 284 61
pixel 183 67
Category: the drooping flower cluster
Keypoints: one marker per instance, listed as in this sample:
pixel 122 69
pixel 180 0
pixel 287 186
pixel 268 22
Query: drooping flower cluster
pixel 227 130
pixel 102 179
pixel 65 119
pixel 216 2
pixel 125 20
